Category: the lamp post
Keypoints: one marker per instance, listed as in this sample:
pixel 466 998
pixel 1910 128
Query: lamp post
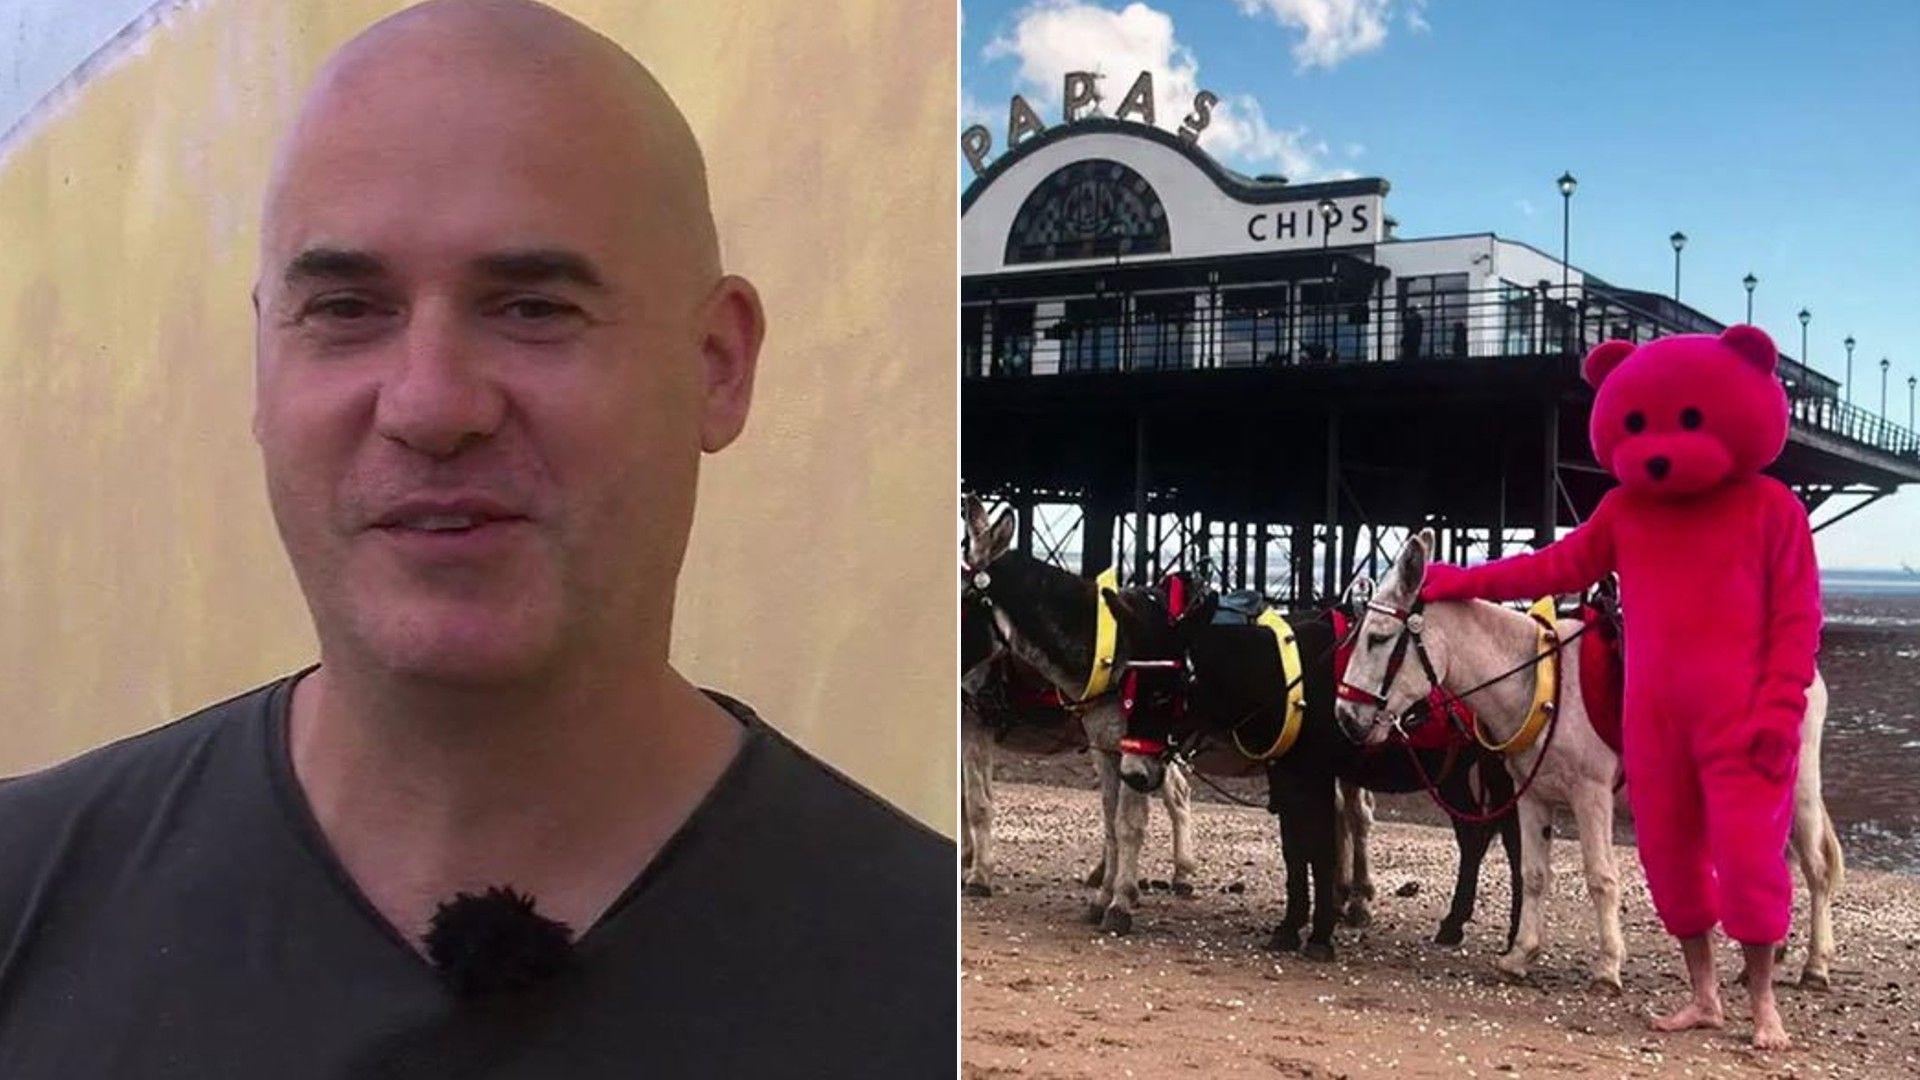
pixel 1911 381
pixel 1884 365
pixel 1327 210
pixel 1849 344
pixel 1805 318
pixel 1749 281
pixel 1567 184
pixel 1678 240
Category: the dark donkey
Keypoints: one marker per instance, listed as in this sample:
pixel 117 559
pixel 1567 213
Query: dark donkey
pixel 1209 690
pixel 1046 620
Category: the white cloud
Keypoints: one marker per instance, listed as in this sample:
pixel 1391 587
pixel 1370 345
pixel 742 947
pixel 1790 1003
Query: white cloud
pixel 1334 30
pixel 1053 37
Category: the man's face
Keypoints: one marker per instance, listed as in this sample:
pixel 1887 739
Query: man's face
pixel 479 382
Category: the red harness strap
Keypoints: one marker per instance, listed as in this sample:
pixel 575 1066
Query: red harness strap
pixel 1437 733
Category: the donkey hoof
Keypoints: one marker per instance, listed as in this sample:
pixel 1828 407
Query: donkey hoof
pixel 1449 935
pixel 1117 921
pixel 976 888
pixel 1287 941
pixel 1814 980
pixel 1183 888
pixel 1096 913
pixel 1358 915
pixel 1512 968
pixel 1318 950
pixel 1606 985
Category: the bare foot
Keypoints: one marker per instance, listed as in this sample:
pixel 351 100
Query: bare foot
pixel 1768 1032
pixel 1694 1014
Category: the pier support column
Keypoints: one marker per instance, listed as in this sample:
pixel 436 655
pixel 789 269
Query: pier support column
pixel 1550 473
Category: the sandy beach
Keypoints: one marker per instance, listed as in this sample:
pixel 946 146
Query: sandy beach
pixel 1192 992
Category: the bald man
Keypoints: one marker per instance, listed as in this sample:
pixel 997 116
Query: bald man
pixel 492 832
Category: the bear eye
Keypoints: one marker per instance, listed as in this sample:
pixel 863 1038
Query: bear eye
pixel 1689 418
pixel 1636 423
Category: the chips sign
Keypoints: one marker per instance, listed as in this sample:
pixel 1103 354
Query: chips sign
pixel 1077 97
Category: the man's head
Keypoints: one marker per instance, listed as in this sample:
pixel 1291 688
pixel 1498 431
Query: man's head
pixel 493 340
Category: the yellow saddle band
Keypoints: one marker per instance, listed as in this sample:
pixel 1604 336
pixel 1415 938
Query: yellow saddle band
pixel 1105 636
pixel 1295 710
pixel 1546 684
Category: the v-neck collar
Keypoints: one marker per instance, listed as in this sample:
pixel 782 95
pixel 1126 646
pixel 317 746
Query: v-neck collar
pixel 299 815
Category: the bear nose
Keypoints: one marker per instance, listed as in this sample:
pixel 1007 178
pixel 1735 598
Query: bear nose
pixel 1658 467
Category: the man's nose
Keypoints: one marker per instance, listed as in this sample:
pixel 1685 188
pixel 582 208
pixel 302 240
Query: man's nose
pixel 438 399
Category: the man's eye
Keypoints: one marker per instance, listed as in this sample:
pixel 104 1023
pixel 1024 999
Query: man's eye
pixel 342 308
pixel 535 309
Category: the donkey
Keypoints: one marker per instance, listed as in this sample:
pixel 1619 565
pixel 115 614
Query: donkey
pixel 1218 692
pixel 1468 644
pixel 1044 618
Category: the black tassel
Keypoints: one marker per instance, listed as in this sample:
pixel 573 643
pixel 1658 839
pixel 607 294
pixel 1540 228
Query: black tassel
pixel 494 942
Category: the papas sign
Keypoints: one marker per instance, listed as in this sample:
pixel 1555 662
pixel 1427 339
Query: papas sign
pixel 1077 95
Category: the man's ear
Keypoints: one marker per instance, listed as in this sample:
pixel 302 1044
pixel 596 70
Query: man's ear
pixel 732 328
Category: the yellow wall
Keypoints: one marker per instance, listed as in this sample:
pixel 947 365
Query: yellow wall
pixel 140 575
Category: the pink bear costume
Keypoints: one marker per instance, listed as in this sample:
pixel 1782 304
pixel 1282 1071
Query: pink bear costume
pixel 1722 602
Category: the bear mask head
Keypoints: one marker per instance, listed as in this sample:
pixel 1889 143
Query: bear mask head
pixel 1683 414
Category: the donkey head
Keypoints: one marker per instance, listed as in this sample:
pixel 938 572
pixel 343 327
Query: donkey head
pixel 1384 680
pixel 1158 626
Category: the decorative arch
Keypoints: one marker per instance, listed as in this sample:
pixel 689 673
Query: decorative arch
pixel 1089 209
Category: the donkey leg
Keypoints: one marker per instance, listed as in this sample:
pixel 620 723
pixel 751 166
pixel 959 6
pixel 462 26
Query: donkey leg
pixel 1318 827
pixel 1816 849
pixel 1536 877
pixel 976 797
pixel 1176 792
pixel 1471 840
pixel 1355 824
pixel 1286 936
pixel 1130 835
pixel 1500 793
pixel 1593 816
pixel 1108 767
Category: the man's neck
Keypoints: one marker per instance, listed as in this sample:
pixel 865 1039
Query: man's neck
pixel 565 791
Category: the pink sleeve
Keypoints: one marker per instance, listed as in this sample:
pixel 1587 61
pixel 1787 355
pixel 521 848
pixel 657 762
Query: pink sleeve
pixel 1793 614
pixel 1569 564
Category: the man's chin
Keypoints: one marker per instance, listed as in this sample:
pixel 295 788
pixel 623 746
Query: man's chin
pixel 462 651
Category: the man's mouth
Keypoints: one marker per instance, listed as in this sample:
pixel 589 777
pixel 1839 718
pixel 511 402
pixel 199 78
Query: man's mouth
pixel 447 519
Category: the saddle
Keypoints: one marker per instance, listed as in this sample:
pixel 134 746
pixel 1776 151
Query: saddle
pixel 1603 672
pixel 1027 713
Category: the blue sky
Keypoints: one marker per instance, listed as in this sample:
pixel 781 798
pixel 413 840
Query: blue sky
pixel 1783 139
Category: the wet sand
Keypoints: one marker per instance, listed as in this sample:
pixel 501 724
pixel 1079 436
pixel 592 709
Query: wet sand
pixel 1192 993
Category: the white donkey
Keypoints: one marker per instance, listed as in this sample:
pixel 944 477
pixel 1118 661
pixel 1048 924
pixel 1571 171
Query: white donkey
pixel 1038 634
pixel 1472 642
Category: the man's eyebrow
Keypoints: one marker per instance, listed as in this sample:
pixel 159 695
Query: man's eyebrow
pixel 538 265
pixel 334 263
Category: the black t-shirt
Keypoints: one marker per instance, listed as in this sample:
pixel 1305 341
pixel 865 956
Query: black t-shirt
pixel 169 908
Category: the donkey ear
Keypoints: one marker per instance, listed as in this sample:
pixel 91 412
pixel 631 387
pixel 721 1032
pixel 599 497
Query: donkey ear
pixel 1201 611
pixel 1602 360
pixel 975 513
pixel 999 536
pixel 1753 345
pixel 1410 569
pixel 1120 606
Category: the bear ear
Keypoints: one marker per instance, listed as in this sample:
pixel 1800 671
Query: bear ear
pixel 1602 360
pixel 1753 344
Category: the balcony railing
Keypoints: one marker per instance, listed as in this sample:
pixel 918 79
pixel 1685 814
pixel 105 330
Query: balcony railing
pixel 1308 326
